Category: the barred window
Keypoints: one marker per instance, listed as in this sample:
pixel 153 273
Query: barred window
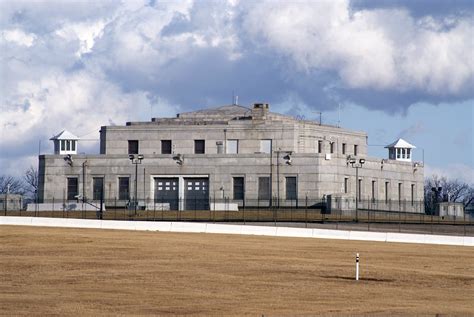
pixel 291 188
pixel 239 188
pixel 124 188
pixel 264 188
pixel 72 188
pixel 98 188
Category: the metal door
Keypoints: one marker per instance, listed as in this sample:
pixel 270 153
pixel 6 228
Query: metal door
pixel 166 191
pixel 197 193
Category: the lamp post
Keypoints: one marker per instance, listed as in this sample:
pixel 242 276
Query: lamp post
pixel 136 159
pixel 436 191
pixel 357 165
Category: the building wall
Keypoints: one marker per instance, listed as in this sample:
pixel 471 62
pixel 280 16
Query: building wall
pixel 317 176
pixel 319 173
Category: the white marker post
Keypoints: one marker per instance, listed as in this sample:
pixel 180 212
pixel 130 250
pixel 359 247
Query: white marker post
pixel 357 267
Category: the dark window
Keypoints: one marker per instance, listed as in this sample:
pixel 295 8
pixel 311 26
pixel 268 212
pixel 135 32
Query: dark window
pixel 346 185
pixel 320 146
pixel 399 191
pixel 386 191
pixel 343 148
pixel 199 146
pixel 63 145
pixel 264 188
pixel 331 147
pixel 72 188
pixel 359 194
pixel 355 149
pixel 239 188
pixel 373 190
pixel 412 194
pixel 132 147
pixel 165 146
pixel 98 188
pixel 291 191
pixel 73 145
pixel 124 188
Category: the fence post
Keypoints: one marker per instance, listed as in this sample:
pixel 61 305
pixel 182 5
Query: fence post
pixel 306 212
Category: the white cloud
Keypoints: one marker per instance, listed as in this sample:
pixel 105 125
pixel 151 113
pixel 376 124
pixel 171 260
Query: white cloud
pixel 86 33
pixel 18 37
pixel 381 49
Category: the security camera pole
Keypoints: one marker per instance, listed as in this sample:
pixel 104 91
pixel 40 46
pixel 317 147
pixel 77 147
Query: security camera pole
pixel 136 159
pixel 357 165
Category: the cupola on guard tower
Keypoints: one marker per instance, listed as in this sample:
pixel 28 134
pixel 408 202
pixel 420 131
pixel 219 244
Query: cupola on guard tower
pixel 65 143
pixel 400 150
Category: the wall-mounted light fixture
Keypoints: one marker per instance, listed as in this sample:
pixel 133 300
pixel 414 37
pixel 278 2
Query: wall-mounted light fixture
pixel 287 158
pixel 68 159
pixel 179 159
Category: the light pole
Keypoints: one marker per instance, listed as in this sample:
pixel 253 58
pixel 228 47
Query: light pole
pixel 357 165
pixel 136 159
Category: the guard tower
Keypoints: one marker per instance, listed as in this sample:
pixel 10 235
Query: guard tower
pixel 65 143
pixel 400 150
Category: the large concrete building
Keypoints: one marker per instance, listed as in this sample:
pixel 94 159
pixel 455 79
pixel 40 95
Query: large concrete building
pixel 249 155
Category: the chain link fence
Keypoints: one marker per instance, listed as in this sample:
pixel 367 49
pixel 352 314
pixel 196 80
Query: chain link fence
pixel 309 213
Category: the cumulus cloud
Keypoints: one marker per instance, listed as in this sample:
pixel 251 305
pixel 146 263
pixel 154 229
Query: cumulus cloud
pixel 385 49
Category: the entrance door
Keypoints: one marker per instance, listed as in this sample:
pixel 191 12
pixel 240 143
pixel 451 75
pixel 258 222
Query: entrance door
pixel 166 191
pixel 197 193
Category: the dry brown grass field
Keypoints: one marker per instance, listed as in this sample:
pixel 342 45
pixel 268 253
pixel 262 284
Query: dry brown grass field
pixel 52 271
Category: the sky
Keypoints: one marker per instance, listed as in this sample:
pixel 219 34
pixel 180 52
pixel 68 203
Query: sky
pixel 391 68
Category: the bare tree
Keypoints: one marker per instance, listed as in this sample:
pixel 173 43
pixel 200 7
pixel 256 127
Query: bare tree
pixel 30 179
pixel 451 190
pixel 11 184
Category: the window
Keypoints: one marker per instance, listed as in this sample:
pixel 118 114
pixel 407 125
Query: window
pixel 68 145
pixel 291 188
pixel 386 191
pixel 403 154
pixel 72 188
pixel 264 188
pixel 199 146
pixel 132 147
pixel 239 188
pixel 165 146
pixel 346 185
pixel 399 191
pixel 331 147
pixel 73 145
pixel 373 190
pixel 355 149
pixel 124 188
pixel 266 146
pixel 412 194
pixel 97 188
pixel 320 146
pixel 391 152
pixel 359 194
pixel 63 145
pixel 408 153
pixel 232 146
pixel 398 153
pixel 343 148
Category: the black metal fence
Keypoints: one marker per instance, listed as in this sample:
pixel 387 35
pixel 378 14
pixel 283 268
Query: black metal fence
pixel 309 213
